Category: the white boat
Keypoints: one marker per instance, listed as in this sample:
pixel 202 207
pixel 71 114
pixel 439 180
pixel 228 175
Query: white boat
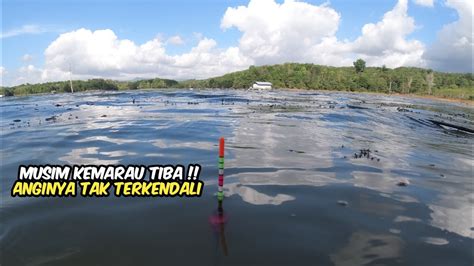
pixel 261 85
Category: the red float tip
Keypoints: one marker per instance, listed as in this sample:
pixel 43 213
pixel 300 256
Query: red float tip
pixel 221 147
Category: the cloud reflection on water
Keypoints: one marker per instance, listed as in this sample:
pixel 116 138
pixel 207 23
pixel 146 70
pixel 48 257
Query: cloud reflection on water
pixel 296 135
pixel 364 248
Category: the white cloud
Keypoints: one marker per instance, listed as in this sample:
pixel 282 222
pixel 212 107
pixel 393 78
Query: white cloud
pixel 428 3
pixel 205 60
pixel 26 58
pixel 275 33
pixel 27 74
pixel 101 53
pixel 453 48
pixel 30 70
pixel 25 29
pixel 175 40
pixel 301 32
pixel 385 42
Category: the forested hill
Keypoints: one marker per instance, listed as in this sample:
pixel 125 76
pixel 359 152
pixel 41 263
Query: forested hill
pixel 292 75
pixel 85 85
pixel 357 78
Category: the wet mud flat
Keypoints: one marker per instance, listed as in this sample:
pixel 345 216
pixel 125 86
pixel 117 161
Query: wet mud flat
pixel 311 178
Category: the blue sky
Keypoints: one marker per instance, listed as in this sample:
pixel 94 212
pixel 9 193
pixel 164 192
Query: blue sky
pixel 29 27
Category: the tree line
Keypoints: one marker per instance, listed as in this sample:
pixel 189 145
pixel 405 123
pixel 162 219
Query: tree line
pixel 357 78
pixel 87 85
pixel 292 75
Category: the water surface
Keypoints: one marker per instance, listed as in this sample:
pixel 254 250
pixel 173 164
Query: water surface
pixel 297 190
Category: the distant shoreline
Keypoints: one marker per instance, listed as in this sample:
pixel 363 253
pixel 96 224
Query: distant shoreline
pixel 407 95
pixel 406 81
pixel 439 98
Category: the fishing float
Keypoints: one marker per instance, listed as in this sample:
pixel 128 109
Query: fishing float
pixel 220 189
pixel 220 197
pixel 219 219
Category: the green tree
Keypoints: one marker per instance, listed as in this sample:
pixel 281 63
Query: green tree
pixel 359 65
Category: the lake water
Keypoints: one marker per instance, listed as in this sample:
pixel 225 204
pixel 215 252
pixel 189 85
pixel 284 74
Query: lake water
pixel 297 191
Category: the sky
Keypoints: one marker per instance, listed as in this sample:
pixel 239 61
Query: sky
pixel 116 39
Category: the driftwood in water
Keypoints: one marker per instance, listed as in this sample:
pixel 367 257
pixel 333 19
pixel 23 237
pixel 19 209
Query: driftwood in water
pixel 439 123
